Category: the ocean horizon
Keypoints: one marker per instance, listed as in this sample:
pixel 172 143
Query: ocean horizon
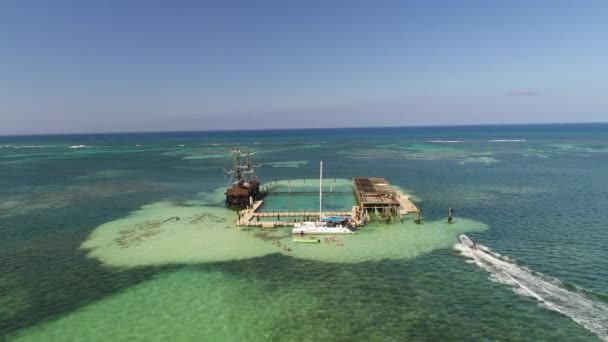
pixel 413 127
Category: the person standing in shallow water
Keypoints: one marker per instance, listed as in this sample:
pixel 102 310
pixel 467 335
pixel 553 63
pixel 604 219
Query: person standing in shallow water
pixel 450 213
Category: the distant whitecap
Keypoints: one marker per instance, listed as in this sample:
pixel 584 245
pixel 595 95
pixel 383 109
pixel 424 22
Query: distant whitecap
pixel 507 140
pixel 28 146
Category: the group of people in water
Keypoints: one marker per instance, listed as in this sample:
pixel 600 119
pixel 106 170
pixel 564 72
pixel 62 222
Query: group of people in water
pixel 330 239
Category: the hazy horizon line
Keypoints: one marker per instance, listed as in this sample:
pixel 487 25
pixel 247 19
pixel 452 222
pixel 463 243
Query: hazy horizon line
pixel 305 128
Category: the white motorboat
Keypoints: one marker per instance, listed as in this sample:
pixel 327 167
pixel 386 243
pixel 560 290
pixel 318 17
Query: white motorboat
pixel 467 242
pixel 310 227
pixel 471 244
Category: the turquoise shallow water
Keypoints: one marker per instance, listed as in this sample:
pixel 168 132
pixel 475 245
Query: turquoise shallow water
pixel 534 193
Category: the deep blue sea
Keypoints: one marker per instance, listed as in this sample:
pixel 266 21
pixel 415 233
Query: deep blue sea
pixel 89 251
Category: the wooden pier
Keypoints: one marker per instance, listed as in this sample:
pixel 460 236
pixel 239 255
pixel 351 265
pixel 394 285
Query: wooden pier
pixel 376 195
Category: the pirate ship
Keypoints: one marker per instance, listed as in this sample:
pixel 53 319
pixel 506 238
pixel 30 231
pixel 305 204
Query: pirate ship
pixel 244 186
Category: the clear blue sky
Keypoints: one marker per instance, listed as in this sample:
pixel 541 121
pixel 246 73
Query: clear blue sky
pixel 99 66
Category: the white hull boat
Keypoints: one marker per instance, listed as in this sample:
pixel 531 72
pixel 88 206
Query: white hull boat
pixel 471 244
pixel 303 228
pixel 467 242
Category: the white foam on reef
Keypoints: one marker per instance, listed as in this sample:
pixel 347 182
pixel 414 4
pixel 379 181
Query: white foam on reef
pixel 29 146
pixel 550 292
pixel 80 146
pixel 507 140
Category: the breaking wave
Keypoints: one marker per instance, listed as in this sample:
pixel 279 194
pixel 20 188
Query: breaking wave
pixel 29 146
pixel 80 146
pixel 549 291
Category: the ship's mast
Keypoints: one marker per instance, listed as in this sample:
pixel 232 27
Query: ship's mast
pixel 250 168
pixel 237 164
pixel 241 172
pixel 321 190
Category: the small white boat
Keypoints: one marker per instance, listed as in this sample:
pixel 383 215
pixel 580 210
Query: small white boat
pixel 467 242
pixel 473 245
pixel 309 227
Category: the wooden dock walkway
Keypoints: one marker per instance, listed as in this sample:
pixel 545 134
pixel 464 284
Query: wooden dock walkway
pixel 300 213
pixel 377 195
pixel 250 217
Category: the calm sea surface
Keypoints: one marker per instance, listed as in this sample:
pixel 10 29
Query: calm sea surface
pixel 73 267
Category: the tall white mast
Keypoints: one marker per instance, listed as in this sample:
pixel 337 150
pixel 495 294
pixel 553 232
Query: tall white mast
pixel 321 190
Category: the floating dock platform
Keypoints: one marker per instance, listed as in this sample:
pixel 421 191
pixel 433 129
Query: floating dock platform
pixel 375 196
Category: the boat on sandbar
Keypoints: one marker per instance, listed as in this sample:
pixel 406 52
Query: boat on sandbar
pixel 319 227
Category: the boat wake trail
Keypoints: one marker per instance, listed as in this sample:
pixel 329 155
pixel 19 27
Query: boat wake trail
pixel 550 292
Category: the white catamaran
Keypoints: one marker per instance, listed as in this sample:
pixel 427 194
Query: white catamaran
pixel 325 225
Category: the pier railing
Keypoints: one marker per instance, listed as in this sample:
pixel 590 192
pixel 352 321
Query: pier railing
pixel 312 192
pixel 283 210
pixel 300 213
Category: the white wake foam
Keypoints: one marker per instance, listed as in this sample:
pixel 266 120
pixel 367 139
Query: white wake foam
pixel 550 292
